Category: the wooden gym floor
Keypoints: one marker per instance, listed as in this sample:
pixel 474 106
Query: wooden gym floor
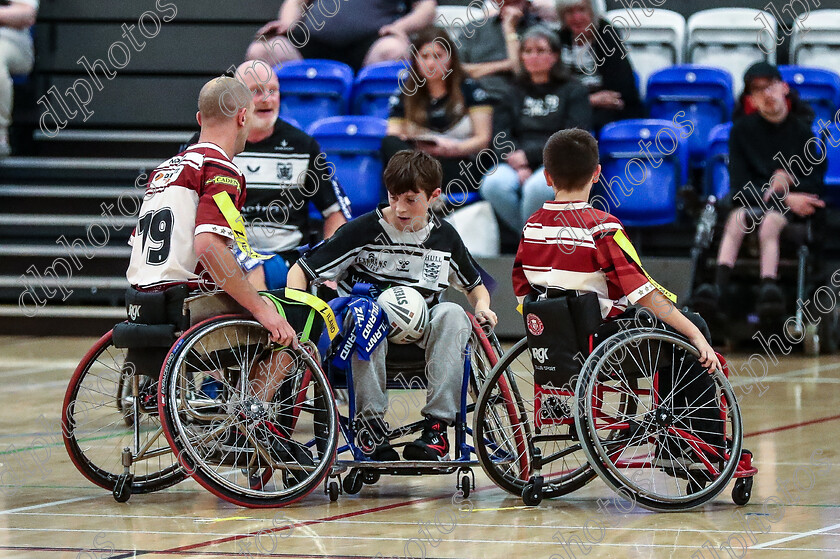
pixel 47 509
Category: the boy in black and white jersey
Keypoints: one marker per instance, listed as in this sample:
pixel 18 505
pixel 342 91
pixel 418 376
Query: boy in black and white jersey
pixel 397 244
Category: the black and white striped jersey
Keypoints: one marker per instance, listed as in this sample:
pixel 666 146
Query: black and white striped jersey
pixel 370 250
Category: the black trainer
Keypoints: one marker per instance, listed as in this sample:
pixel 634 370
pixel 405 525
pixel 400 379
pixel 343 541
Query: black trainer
pixel 433 443
pixel 372 438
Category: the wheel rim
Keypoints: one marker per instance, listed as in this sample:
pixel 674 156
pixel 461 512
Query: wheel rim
pixel 634 448
pixel 227 440
pixel 94 423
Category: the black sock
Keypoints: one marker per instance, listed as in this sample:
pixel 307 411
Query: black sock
pixel 768 280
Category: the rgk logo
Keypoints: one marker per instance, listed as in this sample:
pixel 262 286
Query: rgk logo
pixel 539 354
pixel 133 311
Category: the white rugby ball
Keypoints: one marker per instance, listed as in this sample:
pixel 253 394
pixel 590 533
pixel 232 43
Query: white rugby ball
pixel 407 313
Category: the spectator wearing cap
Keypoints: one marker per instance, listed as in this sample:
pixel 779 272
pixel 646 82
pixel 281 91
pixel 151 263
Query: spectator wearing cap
pixel 490 52
pixel 356 32
pixel 545 99
pixel 608 75
pixel 771 130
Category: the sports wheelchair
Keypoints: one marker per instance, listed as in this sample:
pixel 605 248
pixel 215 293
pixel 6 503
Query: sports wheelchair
pixel 618 407
pixel 406 369
pixel 136 417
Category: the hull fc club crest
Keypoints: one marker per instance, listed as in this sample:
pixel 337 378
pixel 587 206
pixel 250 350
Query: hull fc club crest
pixel 535 325
pixel 284 171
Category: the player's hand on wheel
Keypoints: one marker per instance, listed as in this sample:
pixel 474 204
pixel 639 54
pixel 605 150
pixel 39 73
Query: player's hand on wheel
pixel 278 327
pixel 708 357
pixel 487 317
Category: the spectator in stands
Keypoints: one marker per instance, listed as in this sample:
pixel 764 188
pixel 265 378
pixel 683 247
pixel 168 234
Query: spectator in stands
pixel 545 99
pixel 771 127
pixel 493 67
pixel 285 171
pixel 446 114
pixel 16 56
pixel 612 86
pixel 356 32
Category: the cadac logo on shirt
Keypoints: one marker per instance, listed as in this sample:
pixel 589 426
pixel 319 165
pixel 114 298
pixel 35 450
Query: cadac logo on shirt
pixel 535 325
pixel 221 179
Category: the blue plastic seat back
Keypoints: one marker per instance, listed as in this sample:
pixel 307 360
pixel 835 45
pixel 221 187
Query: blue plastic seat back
pixel 639 185
pixel 819 87
pixel 374 86
pixel 717 166
pixel 314 89
pixel 352 144
pixel 832 175
pixel 703 93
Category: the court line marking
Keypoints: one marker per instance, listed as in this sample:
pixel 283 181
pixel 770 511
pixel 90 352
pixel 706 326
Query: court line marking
pixel 796 537
pixel 50 504
pixel 793 426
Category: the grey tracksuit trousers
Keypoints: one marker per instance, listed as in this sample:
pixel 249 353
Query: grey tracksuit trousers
pixel 445 341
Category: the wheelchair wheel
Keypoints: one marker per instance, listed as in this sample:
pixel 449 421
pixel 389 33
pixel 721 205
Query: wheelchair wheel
pixel 653 428
pixel 506 437
pixel 98 401
pixel 227 442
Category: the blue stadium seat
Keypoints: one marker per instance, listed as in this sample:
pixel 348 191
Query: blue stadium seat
pixel 717 165
pixel 640 186
pixel 314 89
pixel 819 87
pixel 374 86
pixel 705 94
pixel 832 174
pixel 352 144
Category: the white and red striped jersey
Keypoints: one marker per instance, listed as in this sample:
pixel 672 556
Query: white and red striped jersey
pixel 179 205
pixel 571 245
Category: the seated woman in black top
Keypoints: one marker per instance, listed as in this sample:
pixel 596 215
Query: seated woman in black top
pixel 609 76
pixel 439 110
pixel 545 99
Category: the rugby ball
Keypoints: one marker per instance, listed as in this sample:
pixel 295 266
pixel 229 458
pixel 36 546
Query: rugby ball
pixel 406 312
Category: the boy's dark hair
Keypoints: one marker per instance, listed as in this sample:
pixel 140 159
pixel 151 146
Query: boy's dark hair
pixel 570 157
pixel 412 171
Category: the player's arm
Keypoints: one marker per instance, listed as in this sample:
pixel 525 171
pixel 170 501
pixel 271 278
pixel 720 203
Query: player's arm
pixel 332 223
pixel 296 279
pixel 479 298
pixel 213 253
pixel 665 311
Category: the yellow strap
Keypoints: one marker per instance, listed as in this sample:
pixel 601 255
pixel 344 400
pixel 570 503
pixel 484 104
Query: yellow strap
pixel 320 307
pixel 237 225
pixel 519 308
pixel 624 243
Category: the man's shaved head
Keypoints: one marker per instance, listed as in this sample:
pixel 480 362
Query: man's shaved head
pixel 221 98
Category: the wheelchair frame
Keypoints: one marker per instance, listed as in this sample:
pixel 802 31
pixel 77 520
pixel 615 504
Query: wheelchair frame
pixel 592 441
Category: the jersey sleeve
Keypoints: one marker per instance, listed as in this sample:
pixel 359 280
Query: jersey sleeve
pixel 215 179
pixel 463 271
pixel 324 188
pixel 475 97
pixel 620 270
pixel 330 259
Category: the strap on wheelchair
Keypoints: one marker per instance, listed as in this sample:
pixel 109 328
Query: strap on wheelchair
pixel 154 318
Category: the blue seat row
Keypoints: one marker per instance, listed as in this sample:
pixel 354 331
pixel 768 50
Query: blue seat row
pixel 311 90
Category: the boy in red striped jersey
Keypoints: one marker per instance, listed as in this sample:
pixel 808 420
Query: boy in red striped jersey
pixel 568 244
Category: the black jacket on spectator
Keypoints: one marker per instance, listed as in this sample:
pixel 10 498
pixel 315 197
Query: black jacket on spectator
pixel 534 112
pixel 754 148
pixel 614 74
